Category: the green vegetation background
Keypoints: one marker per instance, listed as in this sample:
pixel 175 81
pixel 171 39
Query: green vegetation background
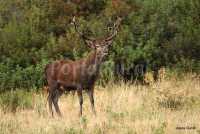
pixel 35 32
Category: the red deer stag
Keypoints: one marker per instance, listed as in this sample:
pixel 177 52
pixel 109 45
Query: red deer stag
pixel 80 74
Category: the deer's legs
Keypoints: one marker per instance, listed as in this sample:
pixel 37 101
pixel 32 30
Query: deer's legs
pixel 90 93
pixel 52 89
pixel 56 96
pixel 80 96
pixel 50 102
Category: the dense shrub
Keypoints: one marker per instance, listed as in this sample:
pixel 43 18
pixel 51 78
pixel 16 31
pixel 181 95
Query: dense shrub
pixel 163 33
pixel 14 100
pixel 29 77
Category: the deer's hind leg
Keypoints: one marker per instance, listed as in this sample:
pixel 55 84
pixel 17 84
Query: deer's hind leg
pixel 51 96
pixel 50 100
pixel 56 97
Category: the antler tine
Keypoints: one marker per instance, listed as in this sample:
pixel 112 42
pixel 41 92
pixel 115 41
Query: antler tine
pixel 116 27
pixel 76 28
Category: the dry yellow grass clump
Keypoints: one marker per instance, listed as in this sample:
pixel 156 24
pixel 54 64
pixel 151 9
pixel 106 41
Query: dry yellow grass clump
pixel 167 107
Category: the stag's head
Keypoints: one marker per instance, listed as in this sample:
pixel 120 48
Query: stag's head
pixel 101 46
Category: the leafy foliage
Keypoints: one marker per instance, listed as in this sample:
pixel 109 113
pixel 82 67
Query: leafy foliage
pixel 14 100
pixel 163 33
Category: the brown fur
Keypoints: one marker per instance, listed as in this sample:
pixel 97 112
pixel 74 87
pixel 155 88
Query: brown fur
pixel 67 75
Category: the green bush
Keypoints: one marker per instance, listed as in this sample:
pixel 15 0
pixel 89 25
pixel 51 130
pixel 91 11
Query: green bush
pixel 163 33
pixel 13 100
pixel 107 73
pixel 29 77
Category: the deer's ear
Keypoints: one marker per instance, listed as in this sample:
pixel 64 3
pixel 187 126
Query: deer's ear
pixel 90 43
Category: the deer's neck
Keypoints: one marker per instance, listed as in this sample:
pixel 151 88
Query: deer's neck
pixel 92 62
pixel 92 58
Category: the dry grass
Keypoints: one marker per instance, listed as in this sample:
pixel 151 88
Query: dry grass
pixel 122 109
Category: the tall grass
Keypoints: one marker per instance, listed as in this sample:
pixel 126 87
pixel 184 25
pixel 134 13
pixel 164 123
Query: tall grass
pixel 160 108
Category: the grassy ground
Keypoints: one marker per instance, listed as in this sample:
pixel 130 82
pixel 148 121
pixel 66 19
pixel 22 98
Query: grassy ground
pixel 169 107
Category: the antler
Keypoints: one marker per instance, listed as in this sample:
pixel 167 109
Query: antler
pixel 80 33
pixel 115 27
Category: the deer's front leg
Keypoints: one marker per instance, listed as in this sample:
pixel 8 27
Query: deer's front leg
pixel 90 93
pixel 80 96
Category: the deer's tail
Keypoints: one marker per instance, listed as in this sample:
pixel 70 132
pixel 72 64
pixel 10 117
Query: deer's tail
pixel 45 75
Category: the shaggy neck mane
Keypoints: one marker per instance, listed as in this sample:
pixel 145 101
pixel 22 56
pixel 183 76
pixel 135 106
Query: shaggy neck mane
pixel 91 59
